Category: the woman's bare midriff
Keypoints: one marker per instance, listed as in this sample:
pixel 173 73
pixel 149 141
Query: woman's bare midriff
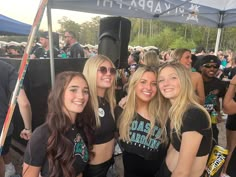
pixel 103 152
pixel 198 166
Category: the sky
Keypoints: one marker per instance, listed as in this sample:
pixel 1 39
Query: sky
pixel 25 11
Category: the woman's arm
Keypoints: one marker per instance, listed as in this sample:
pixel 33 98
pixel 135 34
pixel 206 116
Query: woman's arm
pixel 26 114
pixel 189 147
pixel 229 105
pixel 30 171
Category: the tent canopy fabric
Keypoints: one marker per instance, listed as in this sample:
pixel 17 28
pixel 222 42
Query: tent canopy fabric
pixel 213 13
pixel 10 26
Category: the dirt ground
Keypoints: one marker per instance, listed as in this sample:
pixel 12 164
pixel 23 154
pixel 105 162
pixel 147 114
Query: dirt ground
pixel 18 159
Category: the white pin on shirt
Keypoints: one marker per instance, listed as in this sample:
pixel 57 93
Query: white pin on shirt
pixel 101 112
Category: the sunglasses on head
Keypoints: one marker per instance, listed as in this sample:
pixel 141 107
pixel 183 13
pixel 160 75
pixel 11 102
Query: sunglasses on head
pixel 104 70
pixel 211 66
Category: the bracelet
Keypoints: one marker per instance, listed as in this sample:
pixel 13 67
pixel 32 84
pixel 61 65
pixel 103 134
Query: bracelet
pixel 27 129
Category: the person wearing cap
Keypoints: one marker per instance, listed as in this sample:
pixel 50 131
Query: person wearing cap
pixel 43 52
pixel 214 89
pixel 14 51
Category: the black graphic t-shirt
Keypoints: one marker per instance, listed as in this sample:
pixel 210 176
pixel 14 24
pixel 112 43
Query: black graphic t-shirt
pixel 35 153
pixel 140 144
pixel 213 90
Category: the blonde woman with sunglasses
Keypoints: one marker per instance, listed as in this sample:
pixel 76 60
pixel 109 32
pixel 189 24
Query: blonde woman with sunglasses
pixel 100 73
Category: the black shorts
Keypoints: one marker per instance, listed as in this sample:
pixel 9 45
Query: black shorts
pixel 99 170
pixel 231 122
pixel 6 146
pixel 164 171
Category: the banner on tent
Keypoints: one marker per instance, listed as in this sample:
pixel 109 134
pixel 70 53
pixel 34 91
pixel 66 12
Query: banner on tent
pixel 155 7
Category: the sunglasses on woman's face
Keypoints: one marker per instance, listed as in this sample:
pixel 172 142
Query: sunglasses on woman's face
pixel 104 70
pixel 211 66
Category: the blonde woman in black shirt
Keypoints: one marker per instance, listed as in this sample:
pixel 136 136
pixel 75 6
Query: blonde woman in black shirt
pixel 139 126
pixel 188 123
pixel 100 73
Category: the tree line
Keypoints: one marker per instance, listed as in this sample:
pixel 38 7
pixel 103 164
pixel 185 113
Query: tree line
pixel 151 32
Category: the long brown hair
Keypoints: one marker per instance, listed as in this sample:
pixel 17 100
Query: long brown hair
pixel 59 148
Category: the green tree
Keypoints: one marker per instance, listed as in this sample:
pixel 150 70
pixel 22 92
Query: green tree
pixel 69 25
pixel 183 43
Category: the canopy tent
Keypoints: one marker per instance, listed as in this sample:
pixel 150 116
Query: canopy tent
pixel 10 26
pixel 213 13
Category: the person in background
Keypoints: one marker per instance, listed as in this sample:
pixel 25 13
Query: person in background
pixel 100 73
pixel 43 52
pixel 36 45
pixel 188 123
pixel 62 145
pixel 74 49
pixel 14 51
pixel 183 56
pixel 87 52
pixel 139 126
pixel 133 61
pixel 8 78
pixel 150 58
pixel 214 90
pixel 229 107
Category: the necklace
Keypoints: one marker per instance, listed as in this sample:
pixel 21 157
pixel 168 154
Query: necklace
pixel 73 127
pixel 102 101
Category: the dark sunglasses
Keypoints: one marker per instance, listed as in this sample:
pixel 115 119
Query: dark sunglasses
pixel 210 66
pixel 104 70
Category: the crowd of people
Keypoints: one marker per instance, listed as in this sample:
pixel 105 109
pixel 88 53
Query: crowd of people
pixel 41 49
pixel 162 112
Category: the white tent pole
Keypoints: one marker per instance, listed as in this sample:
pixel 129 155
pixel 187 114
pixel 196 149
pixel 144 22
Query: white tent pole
pixel 219 31
pixel 52 66
pixel 218 40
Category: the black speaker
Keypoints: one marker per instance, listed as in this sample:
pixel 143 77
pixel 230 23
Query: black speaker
pixel 114 35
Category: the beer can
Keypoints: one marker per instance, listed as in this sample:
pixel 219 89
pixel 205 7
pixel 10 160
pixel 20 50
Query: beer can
pixel 216 161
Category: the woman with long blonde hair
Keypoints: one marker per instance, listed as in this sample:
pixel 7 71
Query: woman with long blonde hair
pixel 139 127
pixel 100 73
pixel 188 123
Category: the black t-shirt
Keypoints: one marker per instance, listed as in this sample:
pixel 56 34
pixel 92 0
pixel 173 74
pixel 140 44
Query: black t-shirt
pixel 194 120
pixel 106 131
pixel 140 144
pixel 41 53
pixel 35 153
pixel 213 90
pixel 76 51
pixel 8 78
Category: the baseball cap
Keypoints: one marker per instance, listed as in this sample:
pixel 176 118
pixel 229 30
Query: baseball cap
pixel 210 59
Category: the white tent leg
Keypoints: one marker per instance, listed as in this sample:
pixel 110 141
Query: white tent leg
pixel 52 66
pixel 218 40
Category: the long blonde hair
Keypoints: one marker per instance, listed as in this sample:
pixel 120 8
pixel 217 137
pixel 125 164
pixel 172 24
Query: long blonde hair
pixel 129 113
pixel 90 72
pixel 186 98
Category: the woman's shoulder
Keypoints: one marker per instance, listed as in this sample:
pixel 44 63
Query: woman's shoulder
pixel 195 117
pixel 41 132
pixel 196 76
